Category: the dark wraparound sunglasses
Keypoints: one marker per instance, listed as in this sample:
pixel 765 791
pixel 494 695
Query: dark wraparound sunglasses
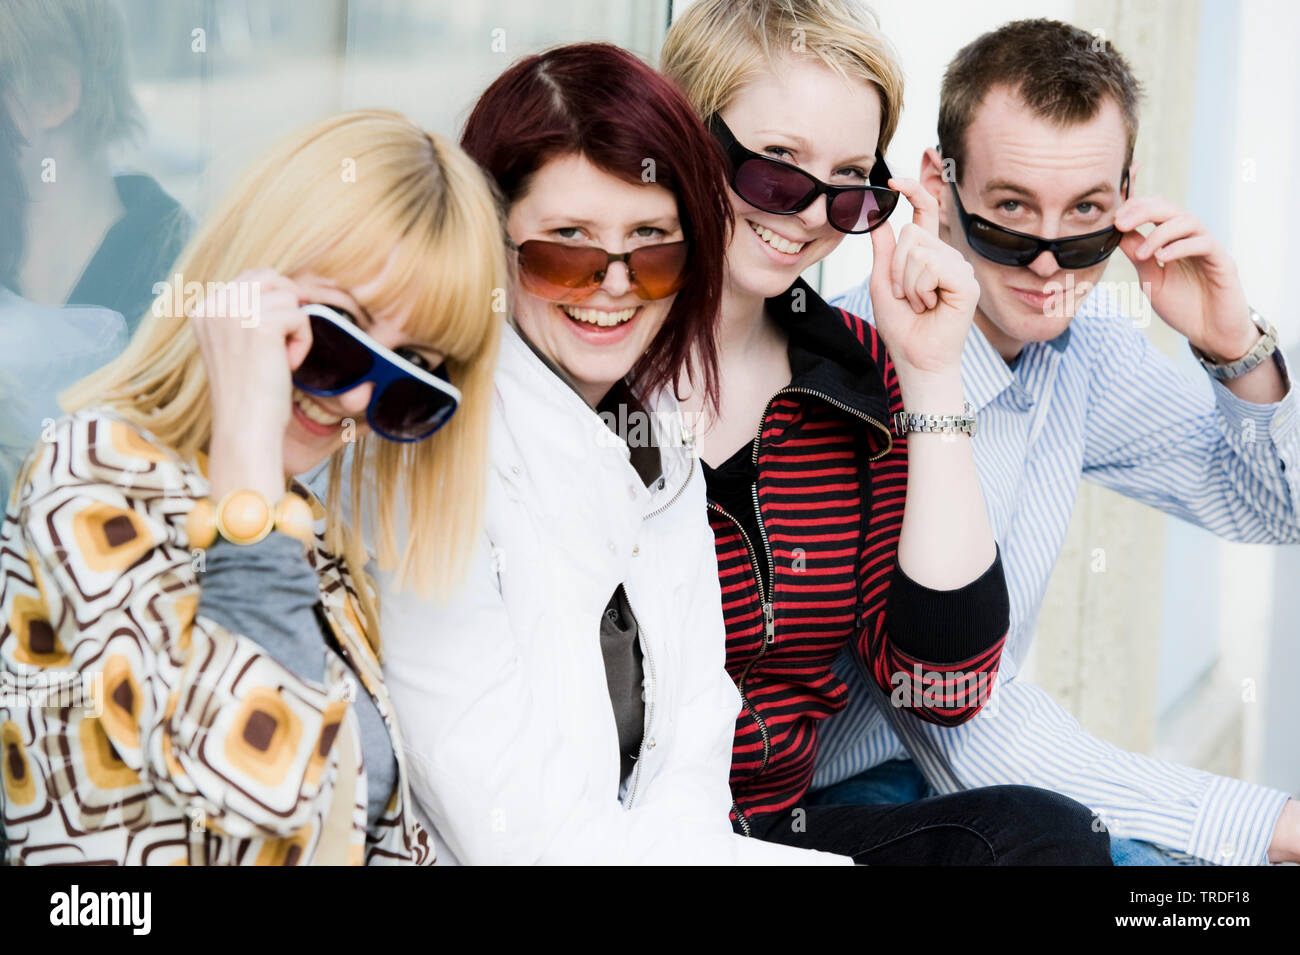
pixel 1008 247
pixel 408 403
pixel 571 273
pixel 783 189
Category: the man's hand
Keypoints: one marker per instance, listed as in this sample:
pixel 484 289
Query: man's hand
pixel 1189 276
pixel 1194 288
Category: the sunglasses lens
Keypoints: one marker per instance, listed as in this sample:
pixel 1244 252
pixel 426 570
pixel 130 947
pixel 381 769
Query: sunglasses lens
pixel 658 270
pixel 561 273
pixel 335 360
pixel 772 186
pixel 409 409
pixel 999 246
pixel 862 210
pixel 1090 250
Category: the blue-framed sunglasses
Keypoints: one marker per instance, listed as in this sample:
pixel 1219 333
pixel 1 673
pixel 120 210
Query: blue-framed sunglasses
pixel 408 403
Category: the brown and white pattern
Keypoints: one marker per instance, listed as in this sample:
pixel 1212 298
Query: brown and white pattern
pixel 134 732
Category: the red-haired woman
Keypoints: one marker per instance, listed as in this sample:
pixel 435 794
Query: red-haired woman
pixel 571 704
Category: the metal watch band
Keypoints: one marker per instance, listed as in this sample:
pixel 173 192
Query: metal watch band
pixel 964 423
pixel 1262 351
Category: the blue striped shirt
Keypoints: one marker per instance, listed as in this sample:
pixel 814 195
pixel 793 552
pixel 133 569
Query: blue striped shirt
pixel 1102 403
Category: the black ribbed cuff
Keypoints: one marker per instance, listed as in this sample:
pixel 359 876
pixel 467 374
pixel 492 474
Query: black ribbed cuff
pixel 948 626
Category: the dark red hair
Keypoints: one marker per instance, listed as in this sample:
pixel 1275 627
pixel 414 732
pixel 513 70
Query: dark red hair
pixel 601 102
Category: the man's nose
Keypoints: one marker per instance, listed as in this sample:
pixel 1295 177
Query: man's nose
pixel 1045 266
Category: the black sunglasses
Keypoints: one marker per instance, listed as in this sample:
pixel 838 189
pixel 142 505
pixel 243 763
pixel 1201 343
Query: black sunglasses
pixel 783 189
pixel 408 403
pixel 1008 247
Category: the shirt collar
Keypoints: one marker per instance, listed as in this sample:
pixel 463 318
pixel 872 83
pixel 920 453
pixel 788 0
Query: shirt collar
pixel 985 373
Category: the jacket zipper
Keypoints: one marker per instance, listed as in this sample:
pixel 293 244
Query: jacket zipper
pixel 889 437
pixel 768 621
pixel 647 656
pixel 769 615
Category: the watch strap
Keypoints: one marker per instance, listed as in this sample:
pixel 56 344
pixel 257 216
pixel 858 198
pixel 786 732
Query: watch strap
pixel 964 423
pixel 1263 350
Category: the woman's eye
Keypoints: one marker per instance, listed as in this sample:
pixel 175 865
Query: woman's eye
pixel 569 232
pixel 414 357
pixel 649 232
pixel 1009 206
pixel 1086 208
pixel 852 172
pixel 780 152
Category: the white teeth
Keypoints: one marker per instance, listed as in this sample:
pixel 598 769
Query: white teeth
pixel 594 316
pixel 313 410
pixel 775 241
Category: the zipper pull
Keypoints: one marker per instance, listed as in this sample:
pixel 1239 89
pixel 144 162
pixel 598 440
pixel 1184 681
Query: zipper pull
pixel 769 623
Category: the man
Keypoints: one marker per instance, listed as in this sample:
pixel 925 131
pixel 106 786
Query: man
pixel 1036 132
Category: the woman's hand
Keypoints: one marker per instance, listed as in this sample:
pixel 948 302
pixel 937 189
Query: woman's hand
pixel 923 294
pixel 249 359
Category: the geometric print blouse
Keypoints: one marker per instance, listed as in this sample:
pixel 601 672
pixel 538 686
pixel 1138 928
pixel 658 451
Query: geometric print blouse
pixel 133 731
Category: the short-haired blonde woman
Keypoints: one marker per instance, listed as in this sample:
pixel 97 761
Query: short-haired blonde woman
pixel 807 472
pixel 158 558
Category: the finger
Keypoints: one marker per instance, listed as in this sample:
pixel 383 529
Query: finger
pixel 925 207
pixel 920 279
pixel 1191 247
pixel 1147 269
pixel 1144 209
pixel 1179 227
pixel 298 342
pixel 883 244
pixel 907 241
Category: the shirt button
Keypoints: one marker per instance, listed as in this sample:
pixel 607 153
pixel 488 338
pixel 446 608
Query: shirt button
pixel 636 549
pixel 650 743
pixel 514 469
pixel 612 548
pixel 631 492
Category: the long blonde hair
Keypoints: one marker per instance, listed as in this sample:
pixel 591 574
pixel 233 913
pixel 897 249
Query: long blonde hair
pixel 336 199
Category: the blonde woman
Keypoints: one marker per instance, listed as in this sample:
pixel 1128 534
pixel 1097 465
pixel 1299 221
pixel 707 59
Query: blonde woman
pixel 839 537
pixel 158 559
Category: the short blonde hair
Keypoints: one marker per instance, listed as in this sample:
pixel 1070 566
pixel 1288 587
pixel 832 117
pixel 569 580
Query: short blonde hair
pixel 717 46
pixel 294 211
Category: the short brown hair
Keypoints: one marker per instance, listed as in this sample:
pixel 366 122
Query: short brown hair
pixel 1061 73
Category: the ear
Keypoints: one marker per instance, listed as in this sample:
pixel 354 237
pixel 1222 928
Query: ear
pixel 933 181
pixel 60 103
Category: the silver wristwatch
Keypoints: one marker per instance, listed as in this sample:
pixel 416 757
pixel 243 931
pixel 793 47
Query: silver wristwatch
pixel 964 423
pixel 1263 350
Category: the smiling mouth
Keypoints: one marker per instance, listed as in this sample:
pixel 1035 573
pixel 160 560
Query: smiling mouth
pixel 313 412
pixel 600 317
pixel 778 242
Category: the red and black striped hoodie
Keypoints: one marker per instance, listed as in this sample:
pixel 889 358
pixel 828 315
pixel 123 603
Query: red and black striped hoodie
pixel 806 519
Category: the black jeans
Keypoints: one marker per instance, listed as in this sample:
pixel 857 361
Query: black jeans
pixel 996 825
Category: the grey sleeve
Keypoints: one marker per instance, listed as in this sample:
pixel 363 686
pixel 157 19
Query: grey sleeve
pixel 267 592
